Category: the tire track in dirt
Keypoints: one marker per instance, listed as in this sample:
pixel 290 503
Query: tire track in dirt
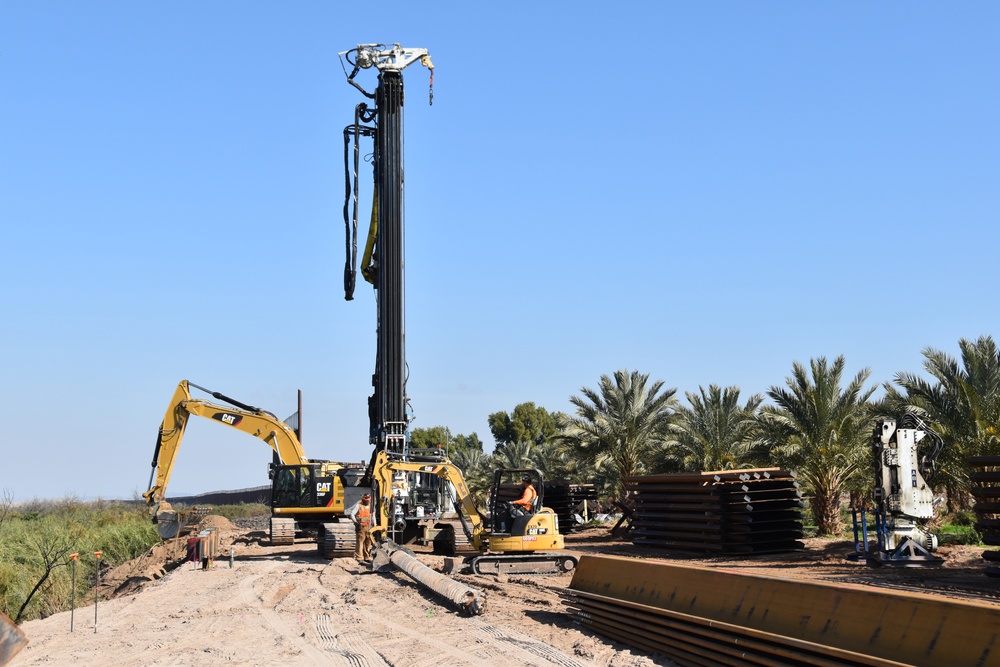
pixel 291 634
pixel 357 653
pixel 401 645
pixel 530 648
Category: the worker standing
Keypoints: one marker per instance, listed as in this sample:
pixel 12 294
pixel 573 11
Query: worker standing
pixel 361 515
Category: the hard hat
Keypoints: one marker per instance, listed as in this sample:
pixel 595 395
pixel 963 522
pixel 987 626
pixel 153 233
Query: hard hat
pixel 526 478
pixel 366 495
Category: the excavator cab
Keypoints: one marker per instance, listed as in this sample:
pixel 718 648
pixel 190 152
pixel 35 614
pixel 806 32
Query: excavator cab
pixel 519 540
pixel 292 486
pixel 510 486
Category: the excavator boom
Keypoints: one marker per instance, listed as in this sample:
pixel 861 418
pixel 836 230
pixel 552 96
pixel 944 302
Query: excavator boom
pixel 246 418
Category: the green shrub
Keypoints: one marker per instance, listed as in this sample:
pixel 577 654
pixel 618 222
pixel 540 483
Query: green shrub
pixel 57 528
pixel 242 511
pixel 958 534
pixel 962 518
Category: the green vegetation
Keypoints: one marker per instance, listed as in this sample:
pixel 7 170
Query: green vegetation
pixel 242 510
pixel 818 424
pixel 440 436
pixel 527 423
pixel 715 433
pixel 620 425
pixel 821 431
pixel 37 538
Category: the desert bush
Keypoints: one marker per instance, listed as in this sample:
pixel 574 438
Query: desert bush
pixel 38 537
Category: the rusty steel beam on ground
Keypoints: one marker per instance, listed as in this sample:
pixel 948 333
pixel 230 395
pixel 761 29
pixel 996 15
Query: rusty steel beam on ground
pixel 467 599
pixel 12 639
pixel 910 628
pixel 695 634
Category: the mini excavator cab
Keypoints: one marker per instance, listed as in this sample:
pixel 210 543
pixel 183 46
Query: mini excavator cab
pixel 525 541
pixel 509 485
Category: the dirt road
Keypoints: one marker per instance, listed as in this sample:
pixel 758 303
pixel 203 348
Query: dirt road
pixel 286 606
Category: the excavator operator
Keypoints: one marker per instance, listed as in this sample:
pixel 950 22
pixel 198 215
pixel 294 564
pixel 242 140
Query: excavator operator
pixel 527 500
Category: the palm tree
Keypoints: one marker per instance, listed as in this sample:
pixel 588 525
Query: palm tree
pixel 477 471
pixel 820 430
pixel 623 423
pixel 515 455
pixel 962 404
pixel 554 461
pixel 716 432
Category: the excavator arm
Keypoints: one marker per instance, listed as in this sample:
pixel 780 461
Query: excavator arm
pixel 254 421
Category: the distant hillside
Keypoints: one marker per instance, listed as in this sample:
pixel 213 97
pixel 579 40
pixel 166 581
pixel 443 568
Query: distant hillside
pixel 255 494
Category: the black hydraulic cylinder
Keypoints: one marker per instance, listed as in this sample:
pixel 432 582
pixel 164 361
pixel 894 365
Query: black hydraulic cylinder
pixel 390 375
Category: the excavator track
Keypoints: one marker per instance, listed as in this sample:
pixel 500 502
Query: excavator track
pixel 526 563
pixel 451 539
pixel 282 531
pixel 336 540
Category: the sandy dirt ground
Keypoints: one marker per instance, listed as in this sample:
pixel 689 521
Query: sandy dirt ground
pixel 287 606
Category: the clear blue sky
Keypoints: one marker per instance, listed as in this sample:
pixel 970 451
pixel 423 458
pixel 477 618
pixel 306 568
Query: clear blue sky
pixel 704 192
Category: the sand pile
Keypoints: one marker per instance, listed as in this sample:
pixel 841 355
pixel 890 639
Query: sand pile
pixel 216 521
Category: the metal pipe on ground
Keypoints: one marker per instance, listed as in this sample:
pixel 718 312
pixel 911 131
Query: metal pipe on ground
pixel 469 600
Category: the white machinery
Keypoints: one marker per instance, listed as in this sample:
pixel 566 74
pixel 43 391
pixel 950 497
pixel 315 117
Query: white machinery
pixel 904 454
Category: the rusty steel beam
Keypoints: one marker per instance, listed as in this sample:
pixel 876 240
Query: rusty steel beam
pixel 599 612
pixel 909 628
pixel 12 640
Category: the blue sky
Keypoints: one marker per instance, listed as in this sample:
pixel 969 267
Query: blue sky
pixel 704 192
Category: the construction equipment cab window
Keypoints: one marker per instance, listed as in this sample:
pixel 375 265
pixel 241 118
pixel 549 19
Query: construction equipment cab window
pixel 293 487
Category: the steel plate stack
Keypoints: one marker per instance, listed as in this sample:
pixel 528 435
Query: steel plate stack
pixel 703 617
pixel 986 491
pixel 736 511
pixel 566 500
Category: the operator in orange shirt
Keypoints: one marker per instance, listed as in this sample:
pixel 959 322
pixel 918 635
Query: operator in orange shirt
pixel 527 500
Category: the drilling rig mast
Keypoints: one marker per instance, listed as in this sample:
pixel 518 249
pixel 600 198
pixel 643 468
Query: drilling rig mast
pixel 383 260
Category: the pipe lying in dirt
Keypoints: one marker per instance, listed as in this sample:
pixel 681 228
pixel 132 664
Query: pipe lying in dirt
pixel 468 600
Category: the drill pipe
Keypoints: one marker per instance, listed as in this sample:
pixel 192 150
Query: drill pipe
pixel 468 600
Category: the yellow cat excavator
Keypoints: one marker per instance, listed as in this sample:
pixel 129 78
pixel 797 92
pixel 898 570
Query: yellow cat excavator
pixel 307 496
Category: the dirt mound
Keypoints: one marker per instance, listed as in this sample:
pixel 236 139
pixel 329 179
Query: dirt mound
pixel 131 576
pixel 216 521
pixel 152 565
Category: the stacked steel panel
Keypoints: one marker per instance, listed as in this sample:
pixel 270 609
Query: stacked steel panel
pixel 703 617
pixel 986 491
pixel 564 499
pixel 736 511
